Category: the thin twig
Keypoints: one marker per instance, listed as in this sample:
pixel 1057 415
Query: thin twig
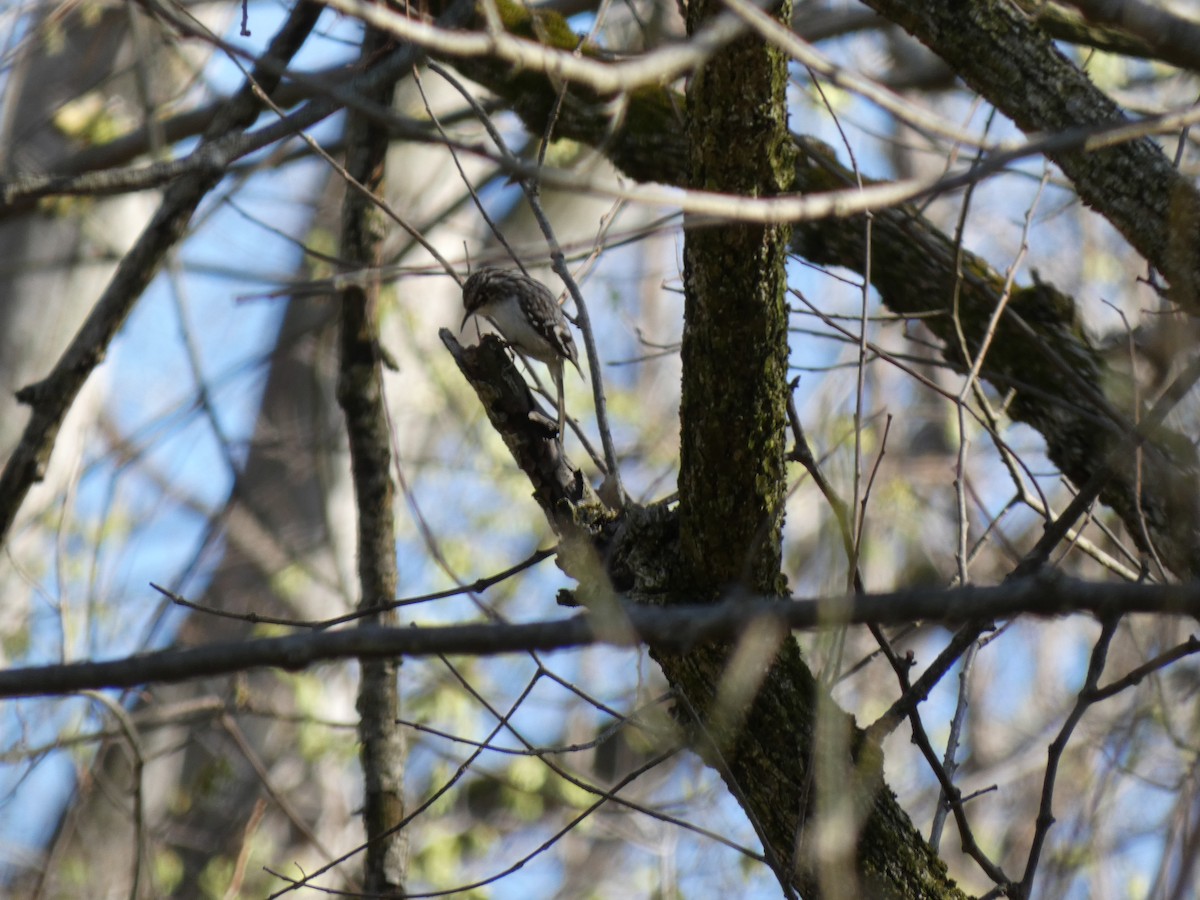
pixel 1058 746
pixel 949 761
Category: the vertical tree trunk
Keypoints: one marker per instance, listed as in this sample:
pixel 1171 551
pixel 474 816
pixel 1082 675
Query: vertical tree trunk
pixel 811 787
pixel 735 352
pixel 360 392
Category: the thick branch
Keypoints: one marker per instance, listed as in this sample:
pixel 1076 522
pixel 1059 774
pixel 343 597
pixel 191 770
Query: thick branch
pixel 677 629
pixel 1014 65
pixel 1129 27
pixel 560 488
pixel 1061 384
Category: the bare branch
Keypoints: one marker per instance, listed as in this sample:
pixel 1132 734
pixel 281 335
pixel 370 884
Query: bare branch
pixel 675 629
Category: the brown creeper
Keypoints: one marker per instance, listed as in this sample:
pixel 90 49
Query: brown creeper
pixel 524 312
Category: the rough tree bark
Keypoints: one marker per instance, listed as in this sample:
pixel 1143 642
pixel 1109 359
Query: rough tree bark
pixel 360 393
pixel 996 50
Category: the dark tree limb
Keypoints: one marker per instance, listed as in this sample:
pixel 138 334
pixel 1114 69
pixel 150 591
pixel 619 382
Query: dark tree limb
pixel 1129 28
pixel 1012 63
pixel 678 629
pixel 360 393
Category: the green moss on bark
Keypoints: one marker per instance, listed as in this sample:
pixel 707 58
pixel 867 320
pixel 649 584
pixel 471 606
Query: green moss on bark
pixel 733 407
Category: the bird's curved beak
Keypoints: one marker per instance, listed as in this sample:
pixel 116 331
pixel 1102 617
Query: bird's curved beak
pixel 464 321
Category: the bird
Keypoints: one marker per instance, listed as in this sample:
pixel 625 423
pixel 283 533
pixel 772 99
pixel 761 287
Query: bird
pixel 526 314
